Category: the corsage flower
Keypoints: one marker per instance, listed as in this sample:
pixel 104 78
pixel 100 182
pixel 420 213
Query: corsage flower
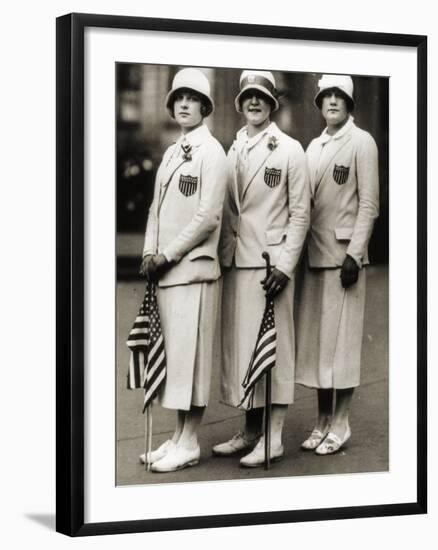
pixel 272 143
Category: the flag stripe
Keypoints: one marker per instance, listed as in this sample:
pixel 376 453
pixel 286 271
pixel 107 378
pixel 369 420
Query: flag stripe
pixel 153 356
pixel 153 376
pixel 264 355
pixel 152 373
pixel 136 360
pixel 150 393
pixel 131 378
pixel 269 337
pixel 138 344
pixel 147 368
pixel 262 359
pixel 139 336
pixel 263 366
pixel 136 331
pixel 258 374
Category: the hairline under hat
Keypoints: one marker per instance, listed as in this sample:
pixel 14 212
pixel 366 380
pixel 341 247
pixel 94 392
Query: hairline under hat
pixel 319 96
pixel 171 100
pixel 260 83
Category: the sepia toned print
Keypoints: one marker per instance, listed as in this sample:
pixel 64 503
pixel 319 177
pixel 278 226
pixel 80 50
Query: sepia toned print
pixel 200 324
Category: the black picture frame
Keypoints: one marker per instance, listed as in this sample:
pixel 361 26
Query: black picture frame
pixel 70 272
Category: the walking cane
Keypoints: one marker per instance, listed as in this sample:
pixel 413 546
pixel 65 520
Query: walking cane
pixel 265 256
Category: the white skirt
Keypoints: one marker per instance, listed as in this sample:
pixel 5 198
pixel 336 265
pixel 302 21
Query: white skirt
pixel 329 330
pixel 243 304
pixel 189 321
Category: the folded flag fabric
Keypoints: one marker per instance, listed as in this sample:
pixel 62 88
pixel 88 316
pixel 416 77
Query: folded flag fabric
pixel 264 354
pixel 147 364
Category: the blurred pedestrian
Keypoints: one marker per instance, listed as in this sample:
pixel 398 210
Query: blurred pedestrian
pixel 180 256
pixel 266 209
pixel 344 184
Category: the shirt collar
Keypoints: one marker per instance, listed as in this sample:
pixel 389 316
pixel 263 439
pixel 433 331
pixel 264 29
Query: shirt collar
pixel 195 137
pixel 250 142
pixel 325 137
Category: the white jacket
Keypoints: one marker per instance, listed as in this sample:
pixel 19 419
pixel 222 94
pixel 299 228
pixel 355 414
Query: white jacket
pixel 345 195
pixel 185 216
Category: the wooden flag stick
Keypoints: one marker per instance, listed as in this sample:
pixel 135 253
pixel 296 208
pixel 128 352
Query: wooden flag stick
pixel 149 444
pixel 268 421
pixel 146 438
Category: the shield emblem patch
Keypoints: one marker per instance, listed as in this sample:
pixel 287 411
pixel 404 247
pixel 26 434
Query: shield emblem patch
pixel 272 177
pixel 188 185
pixel 340 174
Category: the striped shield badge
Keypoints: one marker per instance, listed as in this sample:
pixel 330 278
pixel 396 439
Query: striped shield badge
pixel 188 185
pixel 340 174
pixel 272 177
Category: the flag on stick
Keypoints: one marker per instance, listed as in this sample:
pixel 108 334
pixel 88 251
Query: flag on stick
pixel 264 354
pixel 147 364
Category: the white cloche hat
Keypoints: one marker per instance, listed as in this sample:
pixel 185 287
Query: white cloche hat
pixel 343 83
pixel 191 79
pixel 263 81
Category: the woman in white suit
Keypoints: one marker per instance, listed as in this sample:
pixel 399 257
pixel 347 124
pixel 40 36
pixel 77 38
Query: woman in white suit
pixel 344 184
pixel 266 209
pixel 180 255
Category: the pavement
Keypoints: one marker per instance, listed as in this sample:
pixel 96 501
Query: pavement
pixel 366 451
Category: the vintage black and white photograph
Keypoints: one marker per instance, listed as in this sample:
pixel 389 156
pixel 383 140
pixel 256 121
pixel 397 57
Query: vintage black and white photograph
pixel 252 274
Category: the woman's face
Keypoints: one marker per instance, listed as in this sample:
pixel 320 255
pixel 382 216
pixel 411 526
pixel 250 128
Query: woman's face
pixel 255 107
pixel 187 109
pixel 334 108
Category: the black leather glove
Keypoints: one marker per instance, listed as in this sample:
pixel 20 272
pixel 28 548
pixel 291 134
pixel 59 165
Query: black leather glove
pixel 154 266
pixel 144 267
pixel 349 272
pixel 275 283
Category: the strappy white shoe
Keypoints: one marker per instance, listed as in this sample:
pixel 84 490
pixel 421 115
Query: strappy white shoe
pixel 332 443
pixel 314 439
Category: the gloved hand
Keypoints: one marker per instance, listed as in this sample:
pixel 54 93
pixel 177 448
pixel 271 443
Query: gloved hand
pixel 144 267
pixel 154 266
pixel 275 283
pixel 349 272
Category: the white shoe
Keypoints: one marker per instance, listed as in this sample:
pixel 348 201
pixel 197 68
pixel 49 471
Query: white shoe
pixel 314 439
pixel 239 442
pixel 176 459
pixel 332 443
pixel 162 450
pixel 257 456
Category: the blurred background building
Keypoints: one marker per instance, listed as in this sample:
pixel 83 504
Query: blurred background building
pixel 145 130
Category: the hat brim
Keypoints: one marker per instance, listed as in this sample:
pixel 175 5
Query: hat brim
pixel 260 89
pixel 318 98
pixel 170 100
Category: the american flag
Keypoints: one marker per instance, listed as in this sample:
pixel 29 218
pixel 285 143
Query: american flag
pixel 147 364
pixel 264 354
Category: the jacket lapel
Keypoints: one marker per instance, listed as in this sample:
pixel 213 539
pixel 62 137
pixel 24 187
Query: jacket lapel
pixel 313 167
pixel 167 175
pixel 232 164
pixel 195 142
pixel 258 164
pixel 338 144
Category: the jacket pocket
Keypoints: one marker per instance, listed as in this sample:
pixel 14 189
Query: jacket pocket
pixel 343 233
pixel 275 236
pixel 204 252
